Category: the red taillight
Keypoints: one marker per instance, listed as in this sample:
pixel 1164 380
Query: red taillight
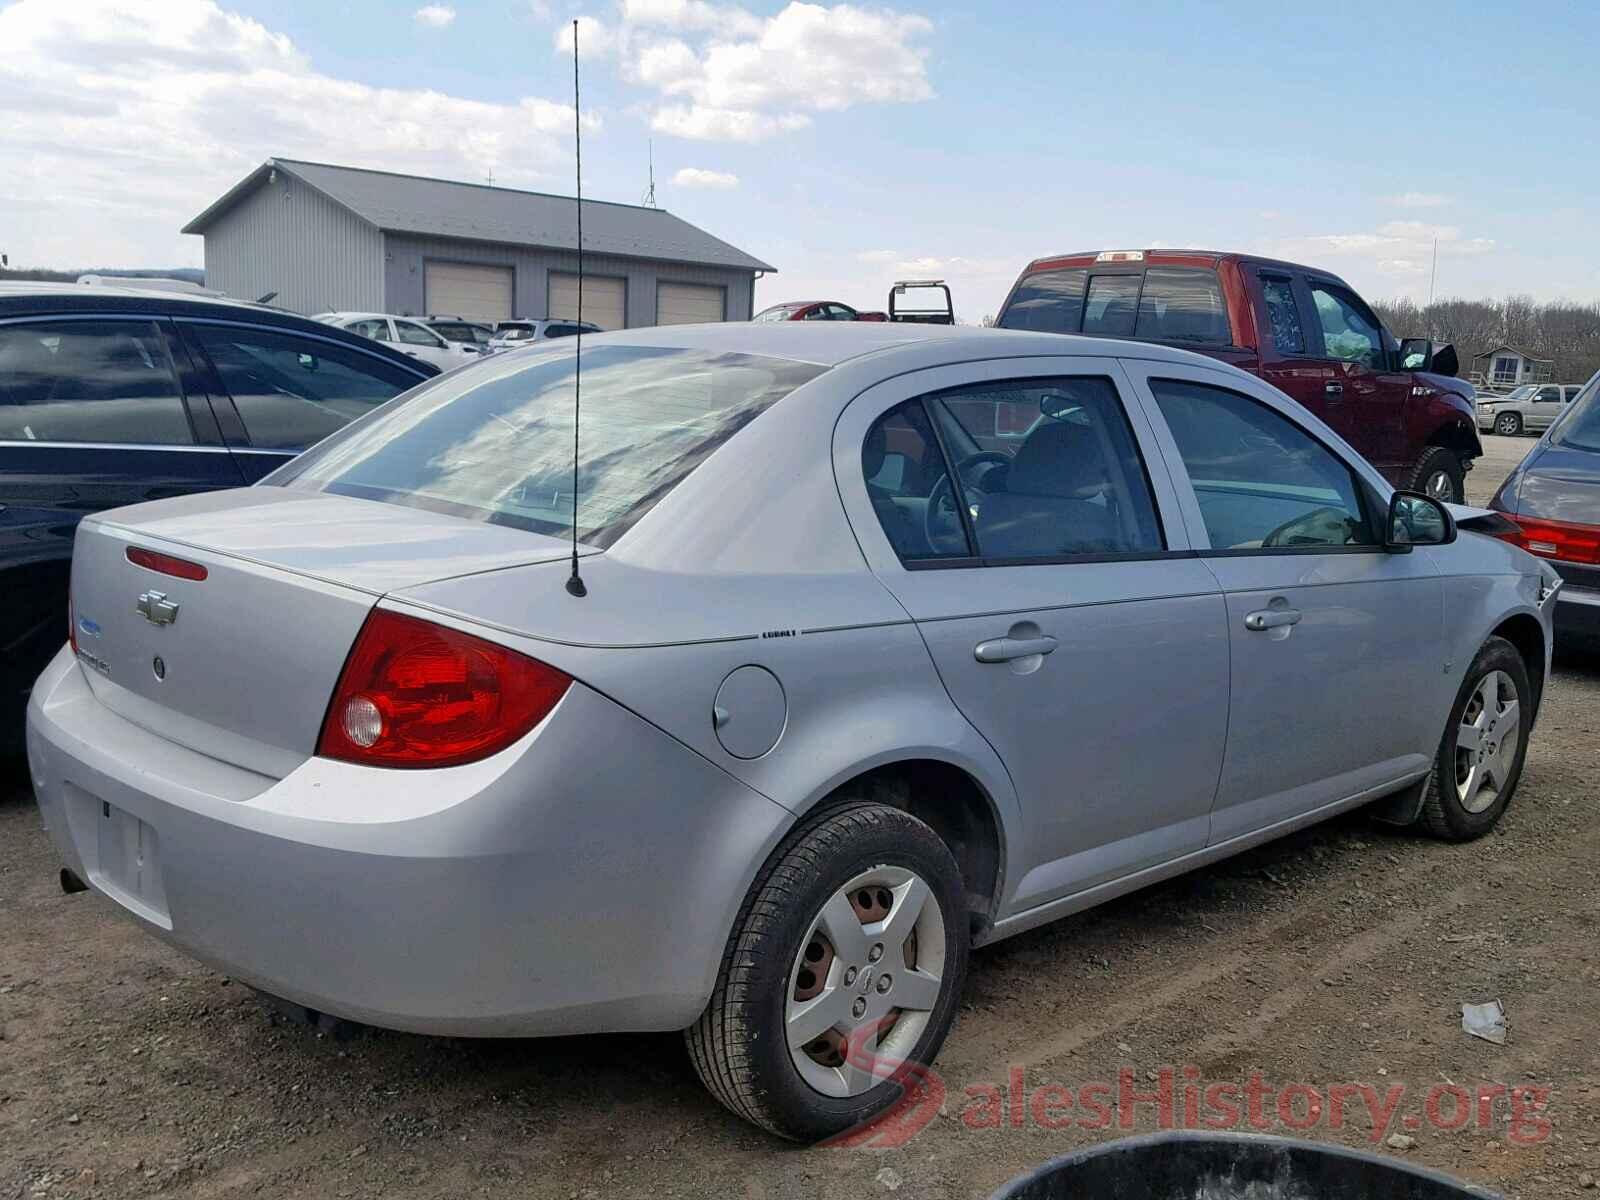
pixel 165 563
pixel 416 694
pixel 1556 539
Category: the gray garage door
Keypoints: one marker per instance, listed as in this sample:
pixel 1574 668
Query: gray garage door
pixel 689 303
pixel 605 299
pixel 467 290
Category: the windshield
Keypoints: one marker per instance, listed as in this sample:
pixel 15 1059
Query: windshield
pixel 1525 392
pixel 495 444
pixel 1579 425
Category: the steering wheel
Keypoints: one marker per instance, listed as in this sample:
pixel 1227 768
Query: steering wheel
pixel 941 510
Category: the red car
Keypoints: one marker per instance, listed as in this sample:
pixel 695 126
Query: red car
pixel 1303 330
pixel 816 310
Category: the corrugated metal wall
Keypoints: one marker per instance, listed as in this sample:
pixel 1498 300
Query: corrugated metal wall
pixel 289 239
pixel 406 254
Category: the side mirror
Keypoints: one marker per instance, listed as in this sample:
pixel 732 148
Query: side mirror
pixel 1416 354
pixel 1417 520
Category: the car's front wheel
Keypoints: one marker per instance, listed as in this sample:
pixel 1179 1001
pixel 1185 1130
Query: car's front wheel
pixel 1439 474
pixel 1484 745
pixel 841 977
pixel 1508 424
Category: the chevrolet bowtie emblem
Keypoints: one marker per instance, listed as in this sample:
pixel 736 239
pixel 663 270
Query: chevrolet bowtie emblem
pixel 157 609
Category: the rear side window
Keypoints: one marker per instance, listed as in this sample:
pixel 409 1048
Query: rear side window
pixel 90 381
pixel 1183 304
pixel 1047 302
pixel 556 330
pixel 1111 305
pixel 1283 315
pixel 495 443
pixel 1262 482
pixel 292 391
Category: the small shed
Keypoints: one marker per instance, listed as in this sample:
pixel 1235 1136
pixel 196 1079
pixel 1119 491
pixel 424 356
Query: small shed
pixel 1508 367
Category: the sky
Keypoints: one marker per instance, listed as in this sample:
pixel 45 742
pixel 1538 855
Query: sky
pixel 849 145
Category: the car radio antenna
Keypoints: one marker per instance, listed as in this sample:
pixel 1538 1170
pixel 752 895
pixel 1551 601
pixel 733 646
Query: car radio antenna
pixel 575 581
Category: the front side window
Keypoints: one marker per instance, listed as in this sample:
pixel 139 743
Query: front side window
pixel 90 381
pixel 1111 305
pixel 291 391
pixel 375 328
pixel 495 444
pixel 1262 482
pixel 1283 315
pixel 1044 469
pixel 1348 333
pixel 1047 302
pixel 1183 304
pixel 1549 395
pixel 415 335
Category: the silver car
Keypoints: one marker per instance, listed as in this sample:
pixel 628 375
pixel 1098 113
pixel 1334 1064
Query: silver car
pixel 1532 406
pixel 879 642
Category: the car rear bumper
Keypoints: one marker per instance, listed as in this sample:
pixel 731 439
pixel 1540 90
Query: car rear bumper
pixel 583 880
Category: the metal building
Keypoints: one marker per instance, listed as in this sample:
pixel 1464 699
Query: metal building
pixel 340 238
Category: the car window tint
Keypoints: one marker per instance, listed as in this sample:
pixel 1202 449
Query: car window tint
pixel 292 391
pixel 1048 302
pixel 1109 308
pixel 415 335
pixel 1262 482
pixel 902 465
pixel 1048 468
pixel 1183 304
pixel 1550 395
pixel 1347 332
pixel 555 331
pixel 89 381
pixel 1283 315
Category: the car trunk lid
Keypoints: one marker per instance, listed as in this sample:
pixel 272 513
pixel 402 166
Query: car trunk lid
pixel 240 664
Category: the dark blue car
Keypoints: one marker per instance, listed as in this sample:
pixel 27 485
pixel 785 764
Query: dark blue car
pixel 110 396
pixel 1553 498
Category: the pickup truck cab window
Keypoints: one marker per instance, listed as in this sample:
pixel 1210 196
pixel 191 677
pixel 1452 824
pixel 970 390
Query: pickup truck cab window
pixel 1047 302
pixel 1183 305
pixel 1283 314
pixel 1112 305
pixel 1348 332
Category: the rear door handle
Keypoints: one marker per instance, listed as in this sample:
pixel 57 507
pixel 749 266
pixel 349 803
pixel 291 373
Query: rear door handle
pixel 1005 649
pixel 1333 389
pixel 1271 618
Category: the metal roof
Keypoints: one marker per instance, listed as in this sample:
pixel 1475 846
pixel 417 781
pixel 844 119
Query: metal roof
pixel 444 208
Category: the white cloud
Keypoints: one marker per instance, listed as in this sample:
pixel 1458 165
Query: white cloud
pixel 695 177
pixel 1396 249
pixel 722 20
pixel 878 256
pixel 723 74
pixel 539 10
pixel 1420 200
pixel 723 124
pixel 124 119
pixel 596 39
pixel 435 16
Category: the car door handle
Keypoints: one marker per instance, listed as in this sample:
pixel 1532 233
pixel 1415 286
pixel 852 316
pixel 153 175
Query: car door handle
pixel 1005 649
pixel 1333 389
pixel 1271 618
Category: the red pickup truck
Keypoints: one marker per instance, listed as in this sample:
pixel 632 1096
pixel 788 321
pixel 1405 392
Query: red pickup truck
pixel 1301 329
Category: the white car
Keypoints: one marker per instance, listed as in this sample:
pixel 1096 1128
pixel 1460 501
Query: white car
pixel 1531 406
pixel 510 334
pixel 406 335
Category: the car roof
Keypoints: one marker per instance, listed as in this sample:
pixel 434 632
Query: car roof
pixel 18 299
pixel 830 343
pixel 1170 255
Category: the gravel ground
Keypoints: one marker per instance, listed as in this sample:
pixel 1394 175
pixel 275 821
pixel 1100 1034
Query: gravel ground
pixel 1340 955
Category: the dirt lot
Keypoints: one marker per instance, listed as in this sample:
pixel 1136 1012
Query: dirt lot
pixel 1337 956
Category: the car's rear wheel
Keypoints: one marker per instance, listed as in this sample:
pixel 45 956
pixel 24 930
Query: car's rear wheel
pixel 1484 745
pixel 1508 424
pixel 841 977
pixel 1439 474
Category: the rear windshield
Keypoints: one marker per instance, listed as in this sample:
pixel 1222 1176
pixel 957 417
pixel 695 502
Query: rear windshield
pixel 1162 304
pixel 494 444
pixel 1579 426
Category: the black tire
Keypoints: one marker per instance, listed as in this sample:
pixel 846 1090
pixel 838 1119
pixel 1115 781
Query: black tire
pixel 1443 814
pixel 1434 460
pixel 1508 424
pixel 738 1045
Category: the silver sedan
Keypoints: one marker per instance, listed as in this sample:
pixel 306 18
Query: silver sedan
pixel 875 643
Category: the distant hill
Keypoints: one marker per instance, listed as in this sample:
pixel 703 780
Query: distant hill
pixel 41 275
